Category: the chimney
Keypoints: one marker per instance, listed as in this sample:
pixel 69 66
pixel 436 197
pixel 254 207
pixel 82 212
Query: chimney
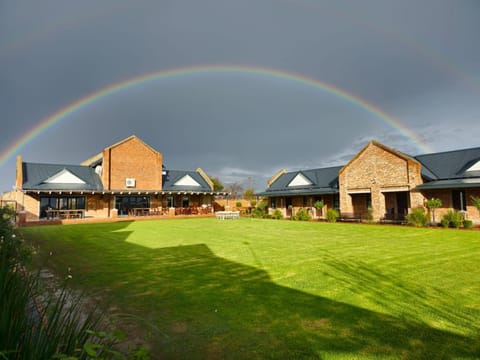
pixel 19 178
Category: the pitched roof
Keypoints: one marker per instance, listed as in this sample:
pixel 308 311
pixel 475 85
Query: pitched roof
pixel 36 177
pixel 98 158
pixel 455 169
pixel 323 181
pixel 171 178
pixel 451 164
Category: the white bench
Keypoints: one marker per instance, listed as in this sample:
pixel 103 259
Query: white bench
pixel 227 215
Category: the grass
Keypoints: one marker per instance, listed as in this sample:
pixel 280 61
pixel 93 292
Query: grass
pixel 264 289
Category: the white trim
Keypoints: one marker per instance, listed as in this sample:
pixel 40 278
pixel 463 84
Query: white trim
pixel 474 167
pixel 396 189
pixel 187 180
pixel 64 177
pixel 359 191
pixel 299 180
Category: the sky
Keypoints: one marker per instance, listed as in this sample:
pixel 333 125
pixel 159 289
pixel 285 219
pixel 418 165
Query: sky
pixel 238 88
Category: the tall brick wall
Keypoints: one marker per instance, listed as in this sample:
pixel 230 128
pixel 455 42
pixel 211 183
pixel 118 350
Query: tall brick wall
pixel 132 159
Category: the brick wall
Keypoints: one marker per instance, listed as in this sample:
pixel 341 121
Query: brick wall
pixel 132 159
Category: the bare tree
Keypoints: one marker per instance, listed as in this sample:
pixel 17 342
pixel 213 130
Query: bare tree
pixel 235 189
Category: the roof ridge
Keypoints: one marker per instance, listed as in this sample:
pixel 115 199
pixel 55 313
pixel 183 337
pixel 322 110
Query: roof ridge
pixel 449 151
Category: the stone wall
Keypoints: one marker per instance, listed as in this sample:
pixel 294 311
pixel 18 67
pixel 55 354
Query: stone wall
pixel 377 170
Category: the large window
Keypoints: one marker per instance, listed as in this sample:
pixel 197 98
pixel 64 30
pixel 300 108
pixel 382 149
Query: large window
pixel 124 204
pixel 458 200
pixel 61 203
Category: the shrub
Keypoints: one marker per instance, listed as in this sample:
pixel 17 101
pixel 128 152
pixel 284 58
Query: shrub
pixel 445 222
pixel 260 211
pixel 67 331
pixel 452 219
pixel 467 224
pixel 370 215
pixel 332 215
pixel 253 203
pixel 277 214
pixel 302 215
pixel 476 202
pixel 417 217
pixel 238 204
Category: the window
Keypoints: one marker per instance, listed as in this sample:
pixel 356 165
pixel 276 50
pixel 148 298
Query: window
pixel 185 202
pixel 125 203
pixel 170 202
pixel 458 200
pixel 273 203
pixel 61 203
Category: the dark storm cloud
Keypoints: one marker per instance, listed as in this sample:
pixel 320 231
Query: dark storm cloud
pixel 417 61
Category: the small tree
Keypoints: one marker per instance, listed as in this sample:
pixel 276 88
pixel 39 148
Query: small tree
pixel 235 189
pixel 217 185
pixel 319 206
pixel 433 204
pixel 248 194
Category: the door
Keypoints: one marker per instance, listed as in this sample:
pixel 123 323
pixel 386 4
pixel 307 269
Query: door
pixel 402 204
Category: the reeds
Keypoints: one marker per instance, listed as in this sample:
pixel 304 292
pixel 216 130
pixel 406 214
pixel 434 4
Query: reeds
pixel 36 325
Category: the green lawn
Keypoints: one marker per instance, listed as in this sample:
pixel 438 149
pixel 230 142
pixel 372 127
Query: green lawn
pixel 256 289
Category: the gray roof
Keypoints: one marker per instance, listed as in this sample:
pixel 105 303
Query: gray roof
pixel 323 181
pixel 450 164
pixel 172 176
pixel 448 170
pixel 35 176
pixel 451 184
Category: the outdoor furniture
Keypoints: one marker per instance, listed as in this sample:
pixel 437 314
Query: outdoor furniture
pixel 227 215
pixel 65 214
pixel 350 217
pixel 140 211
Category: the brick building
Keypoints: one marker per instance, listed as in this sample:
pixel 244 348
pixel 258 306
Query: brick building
pixel 382 184
pixel 125 179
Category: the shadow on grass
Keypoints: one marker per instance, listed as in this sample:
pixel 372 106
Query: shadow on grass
pixel 210 307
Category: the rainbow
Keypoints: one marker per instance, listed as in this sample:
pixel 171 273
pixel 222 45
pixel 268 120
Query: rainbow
pixel 91 98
